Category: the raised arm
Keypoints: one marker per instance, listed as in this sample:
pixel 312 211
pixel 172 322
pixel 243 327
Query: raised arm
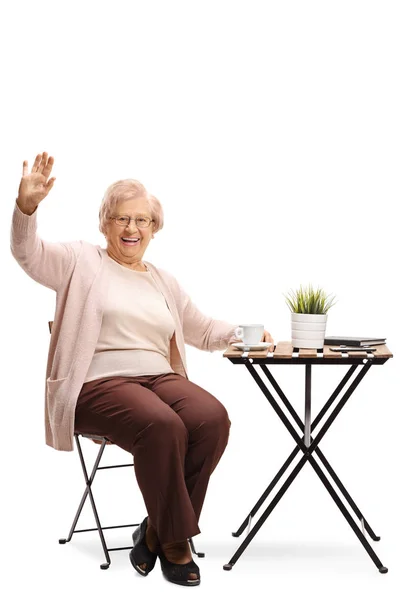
pixel 46 262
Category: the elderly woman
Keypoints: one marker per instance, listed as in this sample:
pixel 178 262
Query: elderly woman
pixel 116 365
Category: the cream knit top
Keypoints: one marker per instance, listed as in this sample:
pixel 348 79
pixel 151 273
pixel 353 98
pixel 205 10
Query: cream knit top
pixel 136 328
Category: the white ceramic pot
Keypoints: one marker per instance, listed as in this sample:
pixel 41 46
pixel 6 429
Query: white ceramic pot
pixel 308 331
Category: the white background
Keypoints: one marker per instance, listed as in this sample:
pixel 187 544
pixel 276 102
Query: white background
pixel 270 133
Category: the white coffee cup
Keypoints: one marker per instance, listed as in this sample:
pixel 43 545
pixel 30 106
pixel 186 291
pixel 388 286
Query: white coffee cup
pixel 250 334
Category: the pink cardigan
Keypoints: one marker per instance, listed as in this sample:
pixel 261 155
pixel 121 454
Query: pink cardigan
pixel 73 270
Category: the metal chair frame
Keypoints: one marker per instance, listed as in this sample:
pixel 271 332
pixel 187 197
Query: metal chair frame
pixel 88 492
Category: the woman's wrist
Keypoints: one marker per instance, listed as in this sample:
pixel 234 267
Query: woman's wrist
pixel 25 208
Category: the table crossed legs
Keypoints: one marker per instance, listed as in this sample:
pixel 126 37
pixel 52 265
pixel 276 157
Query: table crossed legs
pixel 309 446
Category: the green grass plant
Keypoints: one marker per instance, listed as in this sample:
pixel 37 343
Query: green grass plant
pixel 309 301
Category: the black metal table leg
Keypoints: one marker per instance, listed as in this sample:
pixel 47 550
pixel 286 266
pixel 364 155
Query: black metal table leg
pixel 307 445
pixel 347 515
pixel 319 453
pixel 266 513
pixel 299 422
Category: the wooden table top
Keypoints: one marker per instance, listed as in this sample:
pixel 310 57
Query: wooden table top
pixel 285 351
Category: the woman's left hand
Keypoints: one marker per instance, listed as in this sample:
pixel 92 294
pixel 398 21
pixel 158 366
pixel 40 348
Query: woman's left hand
pixel 267 337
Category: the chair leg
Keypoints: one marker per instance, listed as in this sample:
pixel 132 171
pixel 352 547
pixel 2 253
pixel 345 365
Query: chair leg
pixel 193 549
pixel 87 492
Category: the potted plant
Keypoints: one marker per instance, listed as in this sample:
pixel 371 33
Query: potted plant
pixel 309 309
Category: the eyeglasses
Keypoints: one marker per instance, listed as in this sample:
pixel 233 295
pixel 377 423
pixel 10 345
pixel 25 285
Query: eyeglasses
pixel 141 222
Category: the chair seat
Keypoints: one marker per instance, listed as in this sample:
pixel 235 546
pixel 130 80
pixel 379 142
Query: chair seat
pixel 97 439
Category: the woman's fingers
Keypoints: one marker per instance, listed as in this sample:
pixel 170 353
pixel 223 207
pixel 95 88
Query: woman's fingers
pixel 42 165
pixel 267 337
pixel 36 163
pixel 40 162
pixel 43 162
pixel 47 168
pixel 50 183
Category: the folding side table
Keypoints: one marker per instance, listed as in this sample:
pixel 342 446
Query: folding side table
pixel 285 354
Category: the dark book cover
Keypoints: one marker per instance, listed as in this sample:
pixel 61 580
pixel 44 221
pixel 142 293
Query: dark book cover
pixel 353 341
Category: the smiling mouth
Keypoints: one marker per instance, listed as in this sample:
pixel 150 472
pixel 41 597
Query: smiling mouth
pixel 130 242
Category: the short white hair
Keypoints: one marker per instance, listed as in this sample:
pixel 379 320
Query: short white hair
pixel 128 189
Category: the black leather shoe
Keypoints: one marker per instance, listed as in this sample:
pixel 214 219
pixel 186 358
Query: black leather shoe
pixel 140 552
pixel 179 574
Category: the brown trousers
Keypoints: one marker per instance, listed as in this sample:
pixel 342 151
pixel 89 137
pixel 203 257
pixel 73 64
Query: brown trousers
pixel 177 433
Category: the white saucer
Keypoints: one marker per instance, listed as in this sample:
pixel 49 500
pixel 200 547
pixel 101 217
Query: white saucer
pixel 258 346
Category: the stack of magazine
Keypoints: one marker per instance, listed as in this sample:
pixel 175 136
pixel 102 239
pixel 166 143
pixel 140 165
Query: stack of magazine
pixel 358 342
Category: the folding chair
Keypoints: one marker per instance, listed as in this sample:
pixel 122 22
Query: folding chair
pixel 88 492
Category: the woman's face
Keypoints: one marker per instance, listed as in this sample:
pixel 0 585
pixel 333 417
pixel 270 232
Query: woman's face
pixel 119 250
